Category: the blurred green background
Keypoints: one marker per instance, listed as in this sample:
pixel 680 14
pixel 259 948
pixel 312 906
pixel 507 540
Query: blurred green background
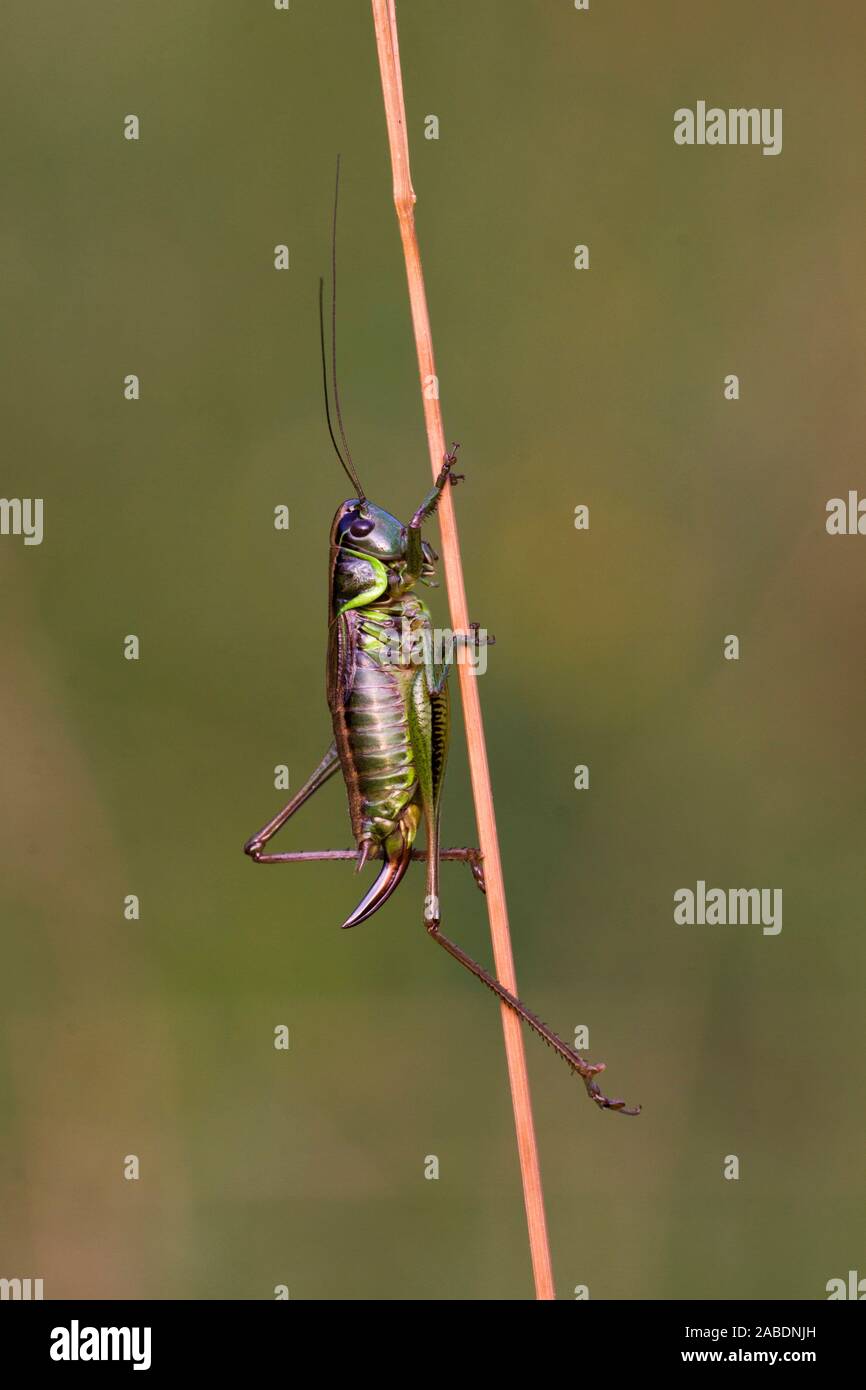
pixel 155 1037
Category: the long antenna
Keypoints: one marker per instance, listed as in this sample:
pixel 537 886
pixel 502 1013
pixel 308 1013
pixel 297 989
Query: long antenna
pixel 325 379
pixel 349 466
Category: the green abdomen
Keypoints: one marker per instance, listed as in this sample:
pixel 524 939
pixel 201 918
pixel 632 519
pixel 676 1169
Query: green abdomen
pixel 377 722
pixel 378 730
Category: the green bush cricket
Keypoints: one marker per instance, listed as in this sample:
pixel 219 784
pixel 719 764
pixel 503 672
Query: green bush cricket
pixel 388 700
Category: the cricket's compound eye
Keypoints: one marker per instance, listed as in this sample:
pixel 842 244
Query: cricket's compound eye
pixel 361 526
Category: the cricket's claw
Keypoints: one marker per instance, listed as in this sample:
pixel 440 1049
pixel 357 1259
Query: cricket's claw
pixel 587 1071
pixel 595 1093
pixel 448 463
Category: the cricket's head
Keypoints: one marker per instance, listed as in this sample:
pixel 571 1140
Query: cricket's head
pixel 363 527
pixel 370 556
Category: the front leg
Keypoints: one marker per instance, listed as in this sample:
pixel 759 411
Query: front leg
pixel 414 552
pixel 431 501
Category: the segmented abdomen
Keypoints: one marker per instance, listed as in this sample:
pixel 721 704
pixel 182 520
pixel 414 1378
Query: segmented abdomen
pixel 378 730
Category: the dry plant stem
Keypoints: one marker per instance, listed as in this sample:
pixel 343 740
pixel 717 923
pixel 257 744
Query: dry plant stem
pixel 385 20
